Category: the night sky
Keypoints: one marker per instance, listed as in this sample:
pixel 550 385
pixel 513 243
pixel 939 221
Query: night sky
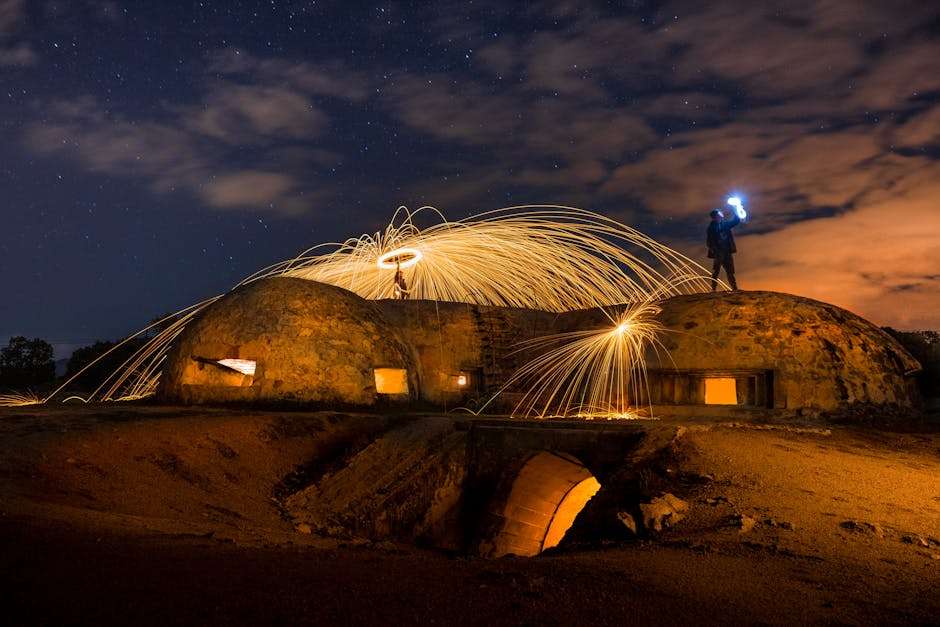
pixel 154 153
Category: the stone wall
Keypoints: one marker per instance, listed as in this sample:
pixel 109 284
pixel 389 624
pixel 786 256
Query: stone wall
pixel 449 339
pixel 822 357
pixel 444 342
pixel 312 342
pixel 319 343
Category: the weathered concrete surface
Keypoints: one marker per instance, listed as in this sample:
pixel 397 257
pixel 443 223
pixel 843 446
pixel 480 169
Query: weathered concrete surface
pixel 312 342
pixel 500 454
pixel 406 485
pixel 823 357
pixel 489 487
pixel 452 338
pixel 445 342
pixel 318 343
pixel 535 496
pixel 601 446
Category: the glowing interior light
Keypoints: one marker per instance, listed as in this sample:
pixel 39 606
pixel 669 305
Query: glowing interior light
pixel 462 380
pixel 738 204
pixel 544 500
pixel 399 258
pixel 391 380
pixel 568 510
pixel 622 328
pixel 244 366
pixel 721 391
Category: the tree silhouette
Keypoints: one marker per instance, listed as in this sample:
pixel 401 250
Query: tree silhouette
pixel 101 370
pixel 25 362
pixel 925 347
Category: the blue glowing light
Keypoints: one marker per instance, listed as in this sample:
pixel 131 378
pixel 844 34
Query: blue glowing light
pixel 738 204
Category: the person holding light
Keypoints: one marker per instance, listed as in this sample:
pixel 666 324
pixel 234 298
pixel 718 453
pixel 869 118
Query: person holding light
pixel 719 240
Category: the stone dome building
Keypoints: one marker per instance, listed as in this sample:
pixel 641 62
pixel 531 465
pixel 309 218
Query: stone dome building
pixel 287 339
pixel 771 350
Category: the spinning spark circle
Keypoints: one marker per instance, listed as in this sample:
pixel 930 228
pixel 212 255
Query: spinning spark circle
pixel 399 258
pixel 545 257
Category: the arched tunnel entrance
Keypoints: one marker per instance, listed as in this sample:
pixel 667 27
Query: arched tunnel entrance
pixel 539 505
pixel 484 487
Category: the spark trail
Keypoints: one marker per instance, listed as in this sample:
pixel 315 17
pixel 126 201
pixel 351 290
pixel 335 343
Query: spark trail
pixel 548 258
pixel 597 373
pixel 545 257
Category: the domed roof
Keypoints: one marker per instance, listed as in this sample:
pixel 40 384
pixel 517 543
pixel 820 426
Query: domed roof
pixel 309 341
pixel 823 356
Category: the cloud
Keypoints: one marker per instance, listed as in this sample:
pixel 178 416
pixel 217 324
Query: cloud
pixel 500 58
pixel 692 106
pixel 548 146
pixel 818 46
pixel 14 53
pixel 329 78
pixel 248 187
pixel 18 55
pixel 899 76
pixel 921 130
pixel 107 143
pixel 470 113
pixel 769 52
pixel 786 170
pixel 244 114
pixel 578 59
pixel 824 113
pixel 172 156
pixel 269 107
pixel 879 261
pixel 11 12
pixel 804 139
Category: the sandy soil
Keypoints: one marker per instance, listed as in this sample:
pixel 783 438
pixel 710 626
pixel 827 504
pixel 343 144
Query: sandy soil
pixel 166 515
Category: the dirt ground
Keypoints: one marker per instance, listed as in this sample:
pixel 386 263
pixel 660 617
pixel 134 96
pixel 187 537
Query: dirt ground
pixel 162 515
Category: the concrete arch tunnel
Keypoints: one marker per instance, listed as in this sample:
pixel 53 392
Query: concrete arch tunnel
pixel 481 486
pixel 540 504
pixel 529 480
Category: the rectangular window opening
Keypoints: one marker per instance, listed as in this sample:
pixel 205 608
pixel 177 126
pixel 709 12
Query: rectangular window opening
pixel 459 381
pixel 244 366
pixel 219 372
pixel 391 380
pixel 721 391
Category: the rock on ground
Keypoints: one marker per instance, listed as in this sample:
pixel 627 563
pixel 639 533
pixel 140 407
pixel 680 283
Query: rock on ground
pixel 663 511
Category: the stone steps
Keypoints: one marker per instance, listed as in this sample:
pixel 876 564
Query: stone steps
pixel 498 338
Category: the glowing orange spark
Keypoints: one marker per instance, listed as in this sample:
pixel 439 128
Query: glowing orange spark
pixel 399 258
pixel 546 257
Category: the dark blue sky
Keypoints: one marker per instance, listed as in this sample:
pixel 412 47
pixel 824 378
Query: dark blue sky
pixel 155 153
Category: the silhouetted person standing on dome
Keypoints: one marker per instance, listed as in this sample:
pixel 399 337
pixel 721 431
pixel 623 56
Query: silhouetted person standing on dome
pixel 721 248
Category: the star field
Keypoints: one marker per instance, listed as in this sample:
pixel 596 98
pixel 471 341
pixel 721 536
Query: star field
pixel 156 153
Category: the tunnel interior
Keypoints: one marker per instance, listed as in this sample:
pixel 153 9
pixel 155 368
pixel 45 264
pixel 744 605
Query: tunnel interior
pixel 544 498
